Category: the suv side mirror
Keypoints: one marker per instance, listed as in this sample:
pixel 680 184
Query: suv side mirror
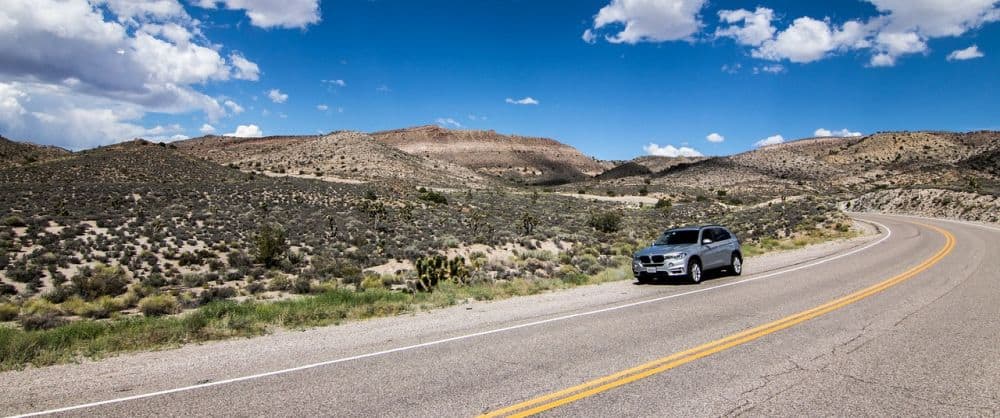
pixel 706 241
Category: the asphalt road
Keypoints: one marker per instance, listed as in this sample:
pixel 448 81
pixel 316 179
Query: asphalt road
pixel 907 324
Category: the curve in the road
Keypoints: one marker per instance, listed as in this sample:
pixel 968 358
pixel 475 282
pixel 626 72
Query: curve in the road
pixel 593 387
pixel 887 235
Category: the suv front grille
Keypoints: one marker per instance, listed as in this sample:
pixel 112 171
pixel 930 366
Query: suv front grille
pixel 644 259
pixel 657 258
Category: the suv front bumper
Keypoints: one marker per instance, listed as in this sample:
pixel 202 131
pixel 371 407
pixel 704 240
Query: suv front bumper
pixel 669 268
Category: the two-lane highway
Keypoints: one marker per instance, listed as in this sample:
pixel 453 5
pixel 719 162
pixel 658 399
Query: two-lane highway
pixel 905 325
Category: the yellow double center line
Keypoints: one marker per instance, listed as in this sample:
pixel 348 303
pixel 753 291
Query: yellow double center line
pixel 593 387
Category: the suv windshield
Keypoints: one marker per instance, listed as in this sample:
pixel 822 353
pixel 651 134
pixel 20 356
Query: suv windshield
pixel 677 237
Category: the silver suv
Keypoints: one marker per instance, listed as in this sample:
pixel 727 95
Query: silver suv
pixel 689 252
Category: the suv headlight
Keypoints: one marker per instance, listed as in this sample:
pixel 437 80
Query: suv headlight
pixel 675 256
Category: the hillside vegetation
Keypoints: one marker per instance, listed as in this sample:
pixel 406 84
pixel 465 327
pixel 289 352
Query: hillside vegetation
pixel 14 154
pixel 225 227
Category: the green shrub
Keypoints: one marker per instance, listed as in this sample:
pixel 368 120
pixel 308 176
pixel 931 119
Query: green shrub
pixel 433 197
pixel 24 273
pixel 371 282
pixel 302 285
pixel 663 204
pixel 270 245
pixel 607 222
pixel 8 312
pixel 102 280
pixel 280 282
pixel 40 314
pixel 14 221
pixel 7 289
pixel 158 305
pixel 194 280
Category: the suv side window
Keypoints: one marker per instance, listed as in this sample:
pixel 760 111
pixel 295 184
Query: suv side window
pixel 708 233
pixel 721 235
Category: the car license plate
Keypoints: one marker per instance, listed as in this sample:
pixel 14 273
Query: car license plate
pixel 650 269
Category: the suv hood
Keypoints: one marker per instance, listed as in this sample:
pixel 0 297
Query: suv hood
pixel 665 249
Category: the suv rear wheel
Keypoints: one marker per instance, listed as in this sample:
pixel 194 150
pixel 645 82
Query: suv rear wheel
pixel 736 265
pixel 694 271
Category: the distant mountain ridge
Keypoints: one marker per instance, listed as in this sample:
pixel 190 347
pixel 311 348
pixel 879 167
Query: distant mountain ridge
pixel 531 160
pixel 338 156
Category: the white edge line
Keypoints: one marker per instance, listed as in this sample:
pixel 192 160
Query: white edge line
pixel 456 338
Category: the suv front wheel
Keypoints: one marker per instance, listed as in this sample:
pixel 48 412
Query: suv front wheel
pixel 694 271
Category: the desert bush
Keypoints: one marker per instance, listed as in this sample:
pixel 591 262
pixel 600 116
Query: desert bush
pixel 159 305
pixel 40 314
pixel 433 197
pixel 372 281
pixel 194 279
pixel 153 280
pixel 59 294
pixel 24 272
pixel 14 221
pixel 8 312
pixel 280 282
pixel 216 293
pixel 7 289
pixel 102 280
pixel 239 259
pixel 607 222
pixel 188 259
pixel 302 285
pixel 572 275
pixel 327 268
pixel 270 245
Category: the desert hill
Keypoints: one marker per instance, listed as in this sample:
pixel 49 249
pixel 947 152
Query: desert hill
pixel 339 156
pixel 14 153
pixel 528 159
pixel 822 165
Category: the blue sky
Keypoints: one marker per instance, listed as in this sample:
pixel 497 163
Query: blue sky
pixel 642 80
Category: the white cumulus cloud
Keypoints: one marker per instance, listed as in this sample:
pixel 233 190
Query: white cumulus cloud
pixel 524 101
pixel 715 137
pixel 112 61
pixel 233 107
pixel 756 25
pixel 670 151
pixel 244 69
pixel 969 53
pixel 277 96
pixel 901 27
pixel 206 129
pixel 648 20
pixel 937 18
pixel 843 133
pixel 247 131
pixel 771 140
pixel 322 107
pixel 808 40
pixel 271 13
